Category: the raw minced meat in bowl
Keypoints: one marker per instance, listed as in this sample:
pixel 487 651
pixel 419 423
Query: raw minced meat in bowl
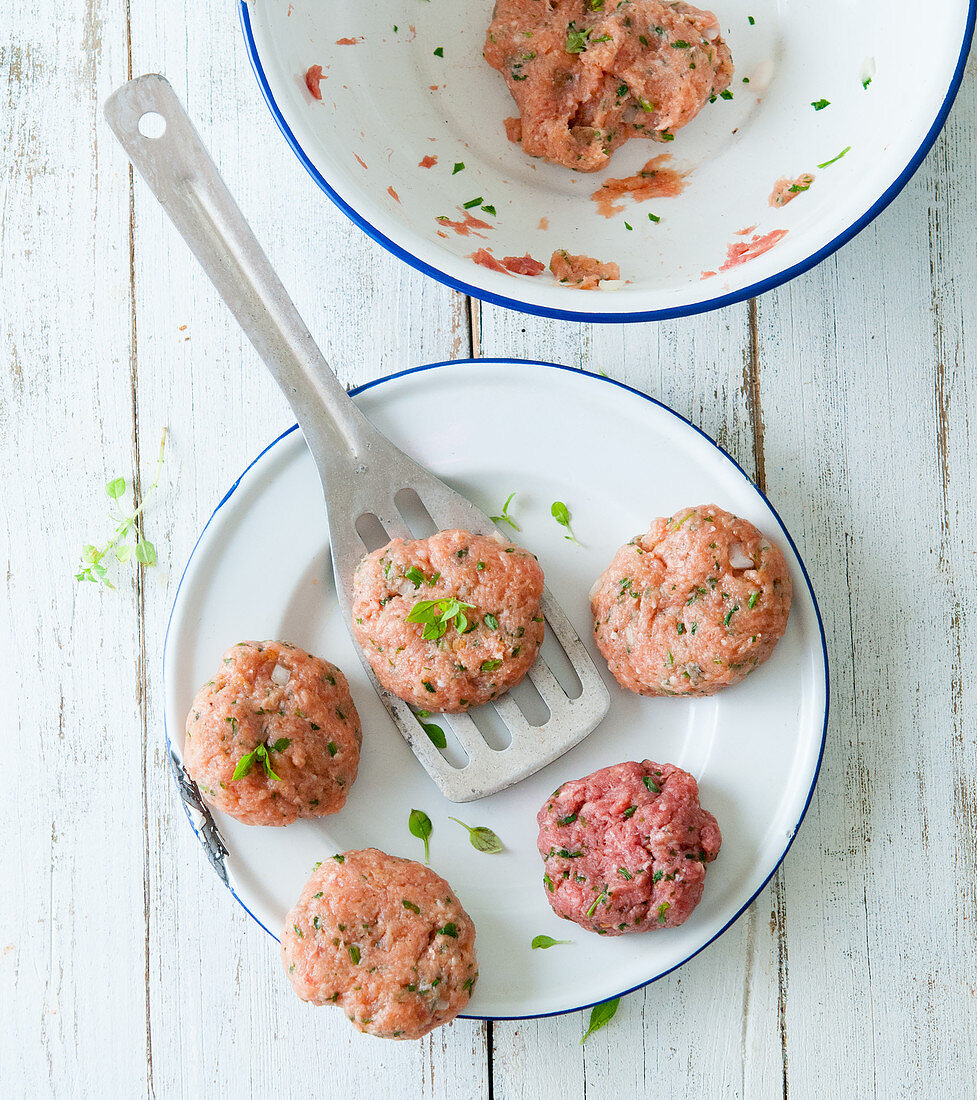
pixel 609 161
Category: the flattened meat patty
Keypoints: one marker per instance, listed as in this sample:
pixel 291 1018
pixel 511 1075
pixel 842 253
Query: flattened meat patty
pixel 587 76
pixel 626 848
pixel 691 606
pixel 385 939
pixel 274 736
pixel 451 621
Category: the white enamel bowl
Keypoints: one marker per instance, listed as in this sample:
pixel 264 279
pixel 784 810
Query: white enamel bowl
pixel 388 102
pixel 755 748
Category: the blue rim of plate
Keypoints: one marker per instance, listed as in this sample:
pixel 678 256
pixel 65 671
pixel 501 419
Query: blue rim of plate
pixel 638 393
pixel 616 318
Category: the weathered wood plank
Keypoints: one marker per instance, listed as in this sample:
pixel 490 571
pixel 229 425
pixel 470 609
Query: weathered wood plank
pixel 241 1030
pixel 72 952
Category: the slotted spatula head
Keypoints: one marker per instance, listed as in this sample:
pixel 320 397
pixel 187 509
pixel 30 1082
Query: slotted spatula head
pixel 361 471
pixel 575 706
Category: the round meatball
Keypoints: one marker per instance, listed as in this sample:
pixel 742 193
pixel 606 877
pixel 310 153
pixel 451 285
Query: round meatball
pixel 693 605
pixel 626 848
pixel 451 621
pixel 384 938
pixel 274 736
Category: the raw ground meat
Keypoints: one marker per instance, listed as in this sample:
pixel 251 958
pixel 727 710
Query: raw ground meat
pixel 626 848
pixel 298 707
pixel 654 181
pixel 384 938
pixel 785 190
pixel 581 272
pixel 585 80
pixel 693 605
pixel 489 651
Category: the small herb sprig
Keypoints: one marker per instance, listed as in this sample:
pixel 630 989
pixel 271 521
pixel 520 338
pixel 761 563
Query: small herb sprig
pixel 482 838
pixel 435 733
pixel 505 517
pixel 92 567
pixel 261 754
pixel 436 615
pixel 546 941
pixel 561 513
pixel 600 1016
pixel 420 826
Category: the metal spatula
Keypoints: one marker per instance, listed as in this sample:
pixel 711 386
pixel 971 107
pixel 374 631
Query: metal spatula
pixel 361 471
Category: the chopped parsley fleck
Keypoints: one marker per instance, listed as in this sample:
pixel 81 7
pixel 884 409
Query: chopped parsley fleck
pixel 354 954
pixel 490 666
pixel 473 202
pixel 626 226
pixel 654 218
pixel 459 167
pixel 629 812
pixel 576 39
pixel 568 820
pixel 625 874
pixel 411 906
pixel 652 785
pixel 820 104
pixel 439 52
pixel 449 929
pixel 726 94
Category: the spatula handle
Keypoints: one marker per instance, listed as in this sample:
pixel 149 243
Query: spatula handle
pixel 189 187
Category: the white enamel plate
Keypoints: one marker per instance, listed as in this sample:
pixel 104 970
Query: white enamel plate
pixel 261 570
pixel 405 81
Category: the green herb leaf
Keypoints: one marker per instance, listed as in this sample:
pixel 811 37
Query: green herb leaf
pixel 437 615
pixel 626 226
pixel 505 517
pixel 459 167
pixel 602 896
pixel 436 734
pixel 411 906
pixel 866 80
pixel 490 666
pixel 439 52
pixel 244 766
pixel 450 929
pixel 560 512
pixel 473 202
pixel 420 826
pixel 820 104
pixel 282 744
pixel 846 149
pixel 93 568
pixel 651 785
pixel 482 838
pixel 145 552
pixel 654 218
pixel 490 210
pixel 354 954
pixel 546 941
pixel 576 39
pixel 600 1016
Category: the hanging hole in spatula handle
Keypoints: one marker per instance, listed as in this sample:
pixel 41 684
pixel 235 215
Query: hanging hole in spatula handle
pixel 163 145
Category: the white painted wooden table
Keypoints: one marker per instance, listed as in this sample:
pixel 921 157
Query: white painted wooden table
pixel 125 966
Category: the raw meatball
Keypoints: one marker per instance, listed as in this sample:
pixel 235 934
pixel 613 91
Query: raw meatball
pixel 386 940
pixel 693 605
pixel 484 650
pixel 284 723
pixel 626 848
pixel 586 76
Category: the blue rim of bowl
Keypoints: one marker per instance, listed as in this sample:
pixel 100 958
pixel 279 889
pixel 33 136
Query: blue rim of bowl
pixel 638 393
pixel 729 299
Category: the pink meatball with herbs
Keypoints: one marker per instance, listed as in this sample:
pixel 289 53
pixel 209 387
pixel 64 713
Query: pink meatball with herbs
pixel 386 940
pixel 451 621
pixel 274 736
pixel 626 848
pixel 693 605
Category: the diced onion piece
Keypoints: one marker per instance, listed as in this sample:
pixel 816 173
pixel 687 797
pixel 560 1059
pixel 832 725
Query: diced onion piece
pixel 610 284
pixel 761 78
pixel 280 675
pixel 738 557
